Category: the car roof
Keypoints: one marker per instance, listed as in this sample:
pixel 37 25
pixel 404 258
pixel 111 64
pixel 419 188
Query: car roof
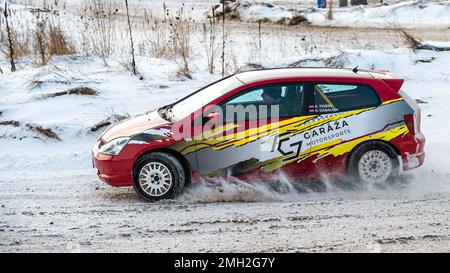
pixel 282 73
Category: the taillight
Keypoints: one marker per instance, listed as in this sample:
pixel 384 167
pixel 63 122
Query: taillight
pixel 409 121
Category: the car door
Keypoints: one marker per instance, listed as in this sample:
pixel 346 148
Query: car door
pixel 255 137
pixel 345 112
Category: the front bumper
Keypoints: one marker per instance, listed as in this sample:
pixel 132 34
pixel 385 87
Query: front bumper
pixel 113 170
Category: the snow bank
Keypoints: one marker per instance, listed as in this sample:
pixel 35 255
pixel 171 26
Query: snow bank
pixel 406 14
pixel 265 12
pixel 258 11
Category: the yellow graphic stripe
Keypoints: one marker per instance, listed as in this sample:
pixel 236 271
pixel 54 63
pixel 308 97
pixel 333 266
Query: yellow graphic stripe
pixel 217 140
pixel 295 126
pixel 391 101
pixel 348 146
pixel 335 149
pixel 252 134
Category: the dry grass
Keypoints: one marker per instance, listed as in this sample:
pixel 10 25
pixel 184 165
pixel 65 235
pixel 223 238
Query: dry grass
pixel 101 30
pixel 39 43
pixel 100 125
pixel 21 40
pixel 22 45
pixel 210 42
pixel 410 40
pixel 58 43
pixel 169 37
pixel 112 118
pixel 85 91
pixel 100 24
pixel 47 132
pixel 50 40
pixel 180 29
pixel 40 38
pixel 157 34
pixel 9 38
pixel 416 44
pixel 298 19
pixel 14 123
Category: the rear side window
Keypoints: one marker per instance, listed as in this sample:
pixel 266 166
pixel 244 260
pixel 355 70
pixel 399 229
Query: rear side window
pixel 333 98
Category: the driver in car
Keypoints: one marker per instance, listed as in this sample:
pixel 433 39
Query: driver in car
pixel 272 97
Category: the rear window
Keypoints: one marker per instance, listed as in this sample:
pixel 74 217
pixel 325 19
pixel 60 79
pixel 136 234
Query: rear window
pixel 333 98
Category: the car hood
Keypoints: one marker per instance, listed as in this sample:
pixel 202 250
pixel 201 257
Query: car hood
pixel 134 125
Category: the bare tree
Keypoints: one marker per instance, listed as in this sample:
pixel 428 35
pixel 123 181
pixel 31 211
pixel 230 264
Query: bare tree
pixel 133 62
pixel 209 41
pixel 223 38
pixel 101 15
pixel 10 39
pixel 40 41
pixel 181 32
pixel 259 36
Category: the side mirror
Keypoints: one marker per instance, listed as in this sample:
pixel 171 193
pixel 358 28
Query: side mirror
pixel 211 116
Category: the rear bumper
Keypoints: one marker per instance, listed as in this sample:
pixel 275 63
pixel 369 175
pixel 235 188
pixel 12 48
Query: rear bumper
pixel 412 150
pixel 413 161
pixel 113 170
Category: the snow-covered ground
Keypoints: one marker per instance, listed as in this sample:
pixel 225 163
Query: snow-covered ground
pixel 394 13
pixel 51 199
pixel 405 14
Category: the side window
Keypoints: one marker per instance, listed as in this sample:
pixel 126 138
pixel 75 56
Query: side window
pixel 333 98
pixel 249 97
pixel 283 100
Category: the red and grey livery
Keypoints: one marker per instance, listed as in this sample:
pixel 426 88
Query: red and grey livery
pixel 332 123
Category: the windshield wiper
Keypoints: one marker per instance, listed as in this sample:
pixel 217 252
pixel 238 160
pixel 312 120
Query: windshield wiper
pixel 166 112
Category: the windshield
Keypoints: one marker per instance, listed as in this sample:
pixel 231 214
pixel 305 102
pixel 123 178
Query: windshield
pixel 205 95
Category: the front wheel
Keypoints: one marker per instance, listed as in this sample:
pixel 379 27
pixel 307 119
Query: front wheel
pixel 158 176
pixel 373 164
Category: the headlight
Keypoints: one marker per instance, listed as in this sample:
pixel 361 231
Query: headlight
pixel 114 146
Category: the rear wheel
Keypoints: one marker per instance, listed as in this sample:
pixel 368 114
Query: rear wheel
pixel 158 176
pixel 373 164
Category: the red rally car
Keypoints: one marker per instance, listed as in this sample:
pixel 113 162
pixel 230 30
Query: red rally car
pixel 306 123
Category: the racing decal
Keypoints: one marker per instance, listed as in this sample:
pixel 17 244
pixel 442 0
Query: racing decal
pixel 289 154
pixel 271 146
pixel 341 147
pixel 159 135
pixel 296 139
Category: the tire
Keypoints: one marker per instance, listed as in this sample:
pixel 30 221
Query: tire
pixel 373 164
pixel 158 176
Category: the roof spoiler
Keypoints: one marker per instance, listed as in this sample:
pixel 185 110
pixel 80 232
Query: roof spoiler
pixel 395 84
